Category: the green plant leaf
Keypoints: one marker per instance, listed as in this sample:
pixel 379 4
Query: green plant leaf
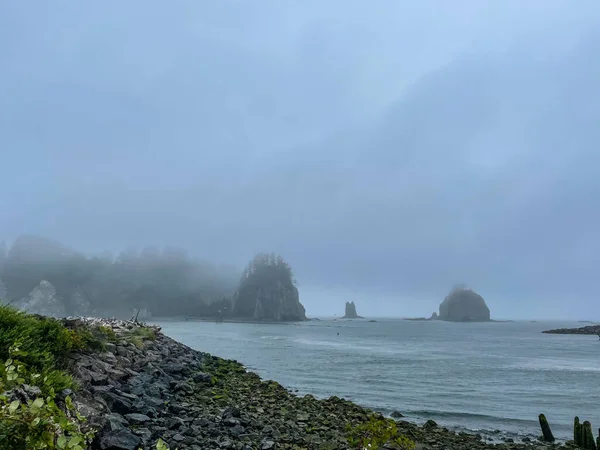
pixel 75 441
pixel 61 442
pixel 161 445
pixel 13 406
pixel 38 402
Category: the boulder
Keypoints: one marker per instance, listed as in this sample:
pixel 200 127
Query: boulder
pixel 464 305
pixel 118 440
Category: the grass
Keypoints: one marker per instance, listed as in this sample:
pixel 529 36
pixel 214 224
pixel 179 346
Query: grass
pixel 139 334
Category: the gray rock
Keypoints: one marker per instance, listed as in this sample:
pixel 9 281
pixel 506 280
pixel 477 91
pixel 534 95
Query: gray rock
pixel 116 403
pixel 267 445
pixel 430 424
pixel 144 433
pixel 185 387
pixel 237 430
pixel 226 443
pixel 137 419
pixel 202 422
pixel 32 392
pixel 118 440
pixel 98 379
pixel 231 421
pixel 178 438
pixel 302 417
pixel 154 402
pixel 175 368
pixel 231 412
pixel 105 388
pixel 202 378
pixel 115 421
pixel 110 347
pixel 175 423
pixel 127 395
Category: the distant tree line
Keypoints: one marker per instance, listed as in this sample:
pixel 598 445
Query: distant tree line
pixel 166 282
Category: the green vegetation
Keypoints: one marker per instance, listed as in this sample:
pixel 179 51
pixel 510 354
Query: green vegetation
pixel 35 351
pixel 139 334
pixel 377 432
pixel 44 344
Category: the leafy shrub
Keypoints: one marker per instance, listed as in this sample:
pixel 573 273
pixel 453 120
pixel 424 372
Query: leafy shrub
pixel 36 423
pixel 377 432
pixel 44 344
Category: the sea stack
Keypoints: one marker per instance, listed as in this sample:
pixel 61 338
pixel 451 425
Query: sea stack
pixel 268 291
pixel 464 305
pixel 351 311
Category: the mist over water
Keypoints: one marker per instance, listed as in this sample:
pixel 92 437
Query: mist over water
pixel 384 154
pixel 478 376
pixel 390 152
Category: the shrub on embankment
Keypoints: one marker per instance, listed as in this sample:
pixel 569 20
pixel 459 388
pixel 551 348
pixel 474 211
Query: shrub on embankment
pixel 36 411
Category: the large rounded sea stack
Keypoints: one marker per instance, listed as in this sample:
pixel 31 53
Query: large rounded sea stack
pixel 464 305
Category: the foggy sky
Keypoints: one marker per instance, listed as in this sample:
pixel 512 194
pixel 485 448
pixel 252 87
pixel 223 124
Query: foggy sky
pixel 387 153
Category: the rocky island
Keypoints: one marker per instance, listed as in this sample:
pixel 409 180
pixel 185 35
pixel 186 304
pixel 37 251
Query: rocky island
pixel 463 305
pixel 121 385
pixel 267 291
pixel 350 311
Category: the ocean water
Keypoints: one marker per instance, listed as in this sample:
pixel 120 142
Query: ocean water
pixel 467 376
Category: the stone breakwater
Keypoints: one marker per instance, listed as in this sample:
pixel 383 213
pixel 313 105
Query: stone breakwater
pixel 144 386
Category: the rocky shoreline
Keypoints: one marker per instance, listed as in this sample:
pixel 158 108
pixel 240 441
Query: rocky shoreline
pixel 145 386
pixel 589 330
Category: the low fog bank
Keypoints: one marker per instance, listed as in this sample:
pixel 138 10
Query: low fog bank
pixel 48 276
pixel 388 153
pixel 51 278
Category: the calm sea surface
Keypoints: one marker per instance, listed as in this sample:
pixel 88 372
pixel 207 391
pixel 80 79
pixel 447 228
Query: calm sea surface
pixel 485 376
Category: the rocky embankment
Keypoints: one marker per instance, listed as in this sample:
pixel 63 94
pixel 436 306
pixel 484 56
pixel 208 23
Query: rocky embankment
pixel 144 386
pixel 591 329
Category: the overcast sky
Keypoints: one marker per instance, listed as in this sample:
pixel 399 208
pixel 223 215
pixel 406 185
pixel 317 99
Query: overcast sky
pixel 387 150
